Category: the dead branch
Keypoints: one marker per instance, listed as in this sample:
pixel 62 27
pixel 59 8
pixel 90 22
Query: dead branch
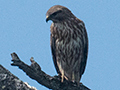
pixel 10 82
pixel 34 71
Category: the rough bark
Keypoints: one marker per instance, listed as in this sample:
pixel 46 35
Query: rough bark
pixel 34 71
pixel 10 82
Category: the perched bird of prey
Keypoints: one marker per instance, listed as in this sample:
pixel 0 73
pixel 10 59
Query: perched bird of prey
pixel 69 43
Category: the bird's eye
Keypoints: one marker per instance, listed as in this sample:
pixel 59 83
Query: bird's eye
pixel 55 13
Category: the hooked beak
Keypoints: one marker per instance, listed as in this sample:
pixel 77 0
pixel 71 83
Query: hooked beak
pixel 47 18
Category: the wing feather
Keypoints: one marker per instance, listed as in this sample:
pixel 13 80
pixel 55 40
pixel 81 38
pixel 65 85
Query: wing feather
pixel 85 52
pixel 53 49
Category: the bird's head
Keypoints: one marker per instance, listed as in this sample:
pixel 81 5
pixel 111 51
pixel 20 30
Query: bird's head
pixel 58 13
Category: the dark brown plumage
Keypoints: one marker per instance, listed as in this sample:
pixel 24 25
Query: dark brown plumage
pixel 69 43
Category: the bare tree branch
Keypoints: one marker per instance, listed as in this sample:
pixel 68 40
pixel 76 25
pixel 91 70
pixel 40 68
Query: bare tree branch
pixel 34 71
pixel 10 82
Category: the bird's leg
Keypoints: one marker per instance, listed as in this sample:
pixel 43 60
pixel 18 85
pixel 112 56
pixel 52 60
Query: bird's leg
pixel 62 75
pixel 61 70
pixel 73 77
